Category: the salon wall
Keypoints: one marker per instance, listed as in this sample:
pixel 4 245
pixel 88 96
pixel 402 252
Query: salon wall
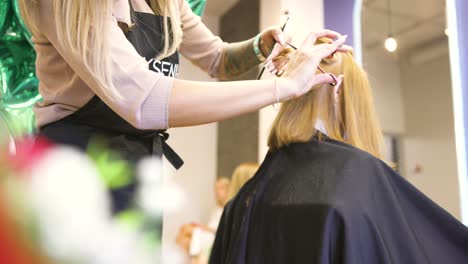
pixel 384 74
pixel 429 140
pixel 198 147
pixel 242 130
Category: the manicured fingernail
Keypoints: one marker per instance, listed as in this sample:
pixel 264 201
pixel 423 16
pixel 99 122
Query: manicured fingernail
pixel 280 72
pixel 274 72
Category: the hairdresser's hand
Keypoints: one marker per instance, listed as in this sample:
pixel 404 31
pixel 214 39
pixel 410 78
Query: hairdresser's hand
pixel 273 44
pixel 279 64
pixel 302 71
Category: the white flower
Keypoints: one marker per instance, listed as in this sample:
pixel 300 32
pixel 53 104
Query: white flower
pixel 157 194
pixel 73 209
pixel 71 203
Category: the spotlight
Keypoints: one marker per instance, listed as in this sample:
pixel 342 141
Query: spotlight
pixel 391 44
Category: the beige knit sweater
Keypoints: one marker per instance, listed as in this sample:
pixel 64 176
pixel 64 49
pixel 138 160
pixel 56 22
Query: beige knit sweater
pixel 66 85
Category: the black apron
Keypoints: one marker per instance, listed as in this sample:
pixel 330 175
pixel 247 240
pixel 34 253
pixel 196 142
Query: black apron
pixel 96 119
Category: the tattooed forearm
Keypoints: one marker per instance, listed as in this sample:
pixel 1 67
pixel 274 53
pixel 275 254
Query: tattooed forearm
pixel 238 58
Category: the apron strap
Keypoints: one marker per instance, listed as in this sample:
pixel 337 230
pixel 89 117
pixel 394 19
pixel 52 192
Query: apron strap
pixel 167 151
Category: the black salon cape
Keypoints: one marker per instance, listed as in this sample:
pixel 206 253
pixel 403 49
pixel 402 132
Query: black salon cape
pixel 327 202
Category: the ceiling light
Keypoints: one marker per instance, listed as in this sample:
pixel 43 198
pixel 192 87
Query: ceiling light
pixel 391 44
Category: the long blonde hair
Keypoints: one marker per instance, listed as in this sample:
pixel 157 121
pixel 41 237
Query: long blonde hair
pixel 80 25
pixel 352 120
pixel 241 175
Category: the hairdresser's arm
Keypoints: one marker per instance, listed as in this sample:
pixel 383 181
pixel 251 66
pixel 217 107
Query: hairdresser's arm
pixel 193 103
pixel 240 57
pixel 222 60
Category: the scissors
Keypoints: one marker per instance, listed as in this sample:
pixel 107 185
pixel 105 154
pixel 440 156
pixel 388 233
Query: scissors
pixel 335 80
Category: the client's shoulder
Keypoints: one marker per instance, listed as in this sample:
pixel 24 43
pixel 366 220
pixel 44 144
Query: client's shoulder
pixel 328 155
pixel 326 149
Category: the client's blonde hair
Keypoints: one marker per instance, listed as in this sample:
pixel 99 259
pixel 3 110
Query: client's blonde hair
pixel 352 120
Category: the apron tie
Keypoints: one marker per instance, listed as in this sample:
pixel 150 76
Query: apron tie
pixel 167 151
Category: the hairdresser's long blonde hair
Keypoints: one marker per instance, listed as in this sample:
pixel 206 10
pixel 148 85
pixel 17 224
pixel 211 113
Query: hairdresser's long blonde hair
pixel 81 28
pixel 352 120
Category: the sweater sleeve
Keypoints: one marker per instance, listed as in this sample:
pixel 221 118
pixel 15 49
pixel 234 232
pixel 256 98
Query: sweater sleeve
pixel 199 45
pixel 139 95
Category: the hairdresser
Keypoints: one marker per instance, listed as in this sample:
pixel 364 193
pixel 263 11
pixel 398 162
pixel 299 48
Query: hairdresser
pixel 109 68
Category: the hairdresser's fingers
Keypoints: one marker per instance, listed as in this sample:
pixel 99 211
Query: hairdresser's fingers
pixel 311 39
pixel 279 61
pixel 279 48
pixel 274 41
pixel 282 71
pixel 345 48
pixel 339 80
pixel 339 84
pixel 279 36
pixel 338 87
pixel 325 50
pixel 271 67
pixel 281 64
pixel 321 79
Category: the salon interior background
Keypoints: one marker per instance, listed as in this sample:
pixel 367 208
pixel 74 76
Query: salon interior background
pixel 418 92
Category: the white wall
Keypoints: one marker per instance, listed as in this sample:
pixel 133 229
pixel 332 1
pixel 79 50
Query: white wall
pixel 198 147
pixel 306 16
pixel 430 138
pixel 384 74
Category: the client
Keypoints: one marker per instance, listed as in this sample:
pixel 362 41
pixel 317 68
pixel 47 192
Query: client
pixel 323 194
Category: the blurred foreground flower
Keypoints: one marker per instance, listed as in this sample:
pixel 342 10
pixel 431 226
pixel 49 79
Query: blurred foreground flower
pixel 62 200
pixel 158 194
pixel 71 207
pixel 14 245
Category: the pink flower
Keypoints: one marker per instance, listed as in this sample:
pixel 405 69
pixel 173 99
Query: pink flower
pixel 28 152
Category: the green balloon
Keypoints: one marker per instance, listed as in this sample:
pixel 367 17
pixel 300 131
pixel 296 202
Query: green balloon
pixel 12 30
pixel 19 121
pixel 18 82
pixel 5 129
pixel 4 7
pixel 24 30
pixel 197 6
